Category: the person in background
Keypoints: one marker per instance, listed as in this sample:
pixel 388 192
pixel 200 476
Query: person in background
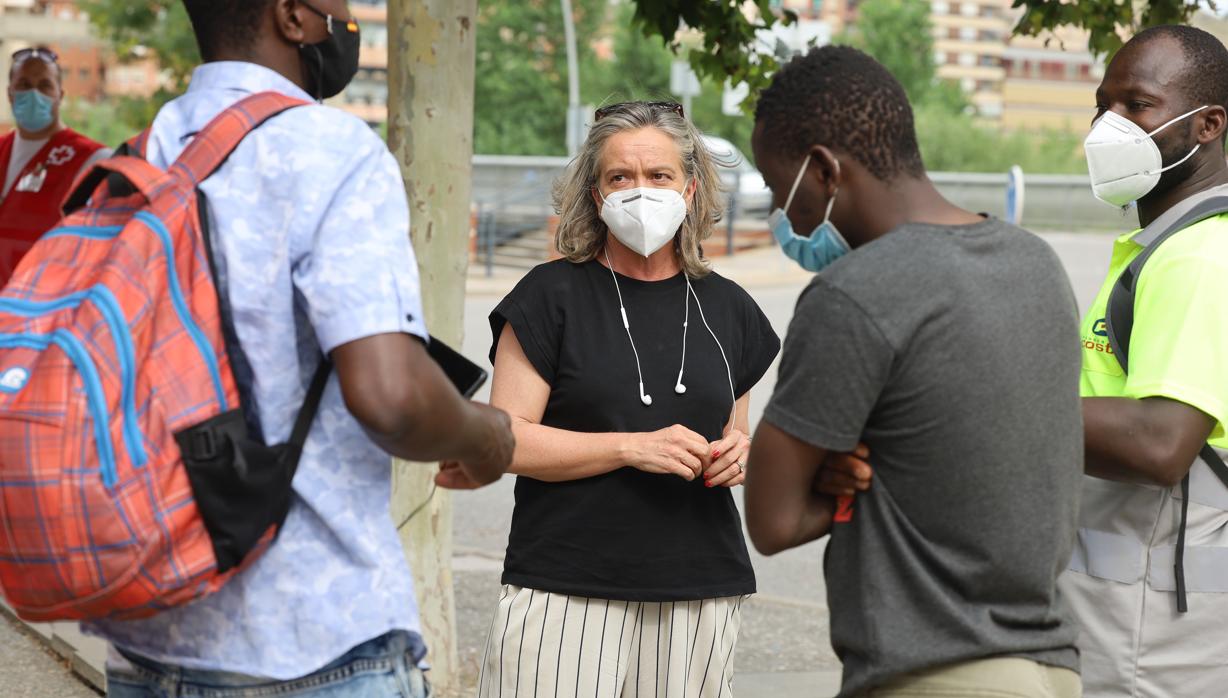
pixel 626 367
pixel 945 342
pixel 41 158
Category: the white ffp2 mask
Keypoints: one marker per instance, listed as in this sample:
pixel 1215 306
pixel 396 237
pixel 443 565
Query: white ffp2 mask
pixel 644 219
pixel 1123 159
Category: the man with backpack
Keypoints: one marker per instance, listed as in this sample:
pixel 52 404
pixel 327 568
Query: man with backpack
pixel 310 244
pixel 1149 575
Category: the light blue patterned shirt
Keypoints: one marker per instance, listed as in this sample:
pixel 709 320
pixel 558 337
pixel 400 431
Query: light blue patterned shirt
pixel 311 228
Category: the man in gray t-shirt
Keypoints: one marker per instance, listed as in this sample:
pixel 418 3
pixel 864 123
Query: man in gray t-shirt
pixel 946 342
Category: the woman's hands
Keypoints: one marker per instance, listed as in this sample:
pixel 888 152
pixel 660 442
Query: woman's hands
pixel 679 451
pixel 674 450
pixel 728 468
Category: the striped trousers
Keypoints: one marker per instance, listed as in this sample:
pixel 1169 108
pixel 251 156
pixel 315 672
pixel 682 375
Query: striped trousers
pixel 544 645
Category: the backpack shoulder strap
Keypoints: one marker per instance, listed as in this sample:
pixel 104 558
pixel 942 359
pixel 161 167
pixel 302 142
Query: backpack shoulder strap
pixel 207 151
pixel 1119 324
pixel 117 185
pixel 1119 312
pixel 216 141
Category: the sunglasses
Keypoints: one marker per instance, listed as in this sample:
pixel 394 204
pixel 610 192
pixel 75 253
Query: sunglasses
pixel 623 106
pixel 44 53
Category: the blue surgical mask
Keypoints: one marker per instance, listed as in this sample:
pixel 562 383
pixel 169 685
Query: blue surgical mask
pixel 33 110
pixel 825 244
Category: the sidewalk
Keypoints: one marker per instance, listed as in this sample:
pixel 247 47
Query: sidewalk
pixel 778 640
pixel 29 668
pixel 758 268
pixel 780 645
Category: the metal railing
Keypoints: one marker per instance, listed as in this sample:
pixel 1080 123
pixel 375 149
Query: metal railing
pixel 512 195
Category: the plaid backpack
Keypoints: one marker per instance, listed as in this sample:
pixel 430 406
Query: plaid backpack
pixel 128 480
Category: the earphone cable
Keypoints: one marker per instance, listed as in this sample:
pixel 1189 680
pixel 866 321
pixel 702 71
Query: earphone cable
pixel 728 371
pixel 627 326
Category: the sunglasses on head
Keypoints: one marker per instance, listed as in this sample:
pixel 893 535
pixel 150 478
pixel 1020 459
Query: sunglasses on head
pixel 623 106
pixel 44 53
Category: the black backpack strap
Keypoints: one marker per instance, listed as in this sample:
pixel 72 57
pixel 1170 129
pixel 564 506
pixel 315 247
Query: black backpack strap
pixel 1119 323
pixel 311 405
pixel 1119 313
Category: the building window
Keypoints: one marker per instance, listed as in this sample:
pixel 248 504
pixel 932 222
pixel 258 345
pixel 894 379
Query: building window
pixel 1052 70
pixel 968 33
pixel 967 59
pixel 969 9
pixel 940 58
pixel 989 61
pixel 940 8
pixel 375 35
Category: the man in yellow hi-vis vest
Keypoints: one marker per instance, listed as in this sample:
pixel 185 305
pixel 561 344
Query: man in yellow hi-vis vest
pixel 1148 580
pixel 1149 576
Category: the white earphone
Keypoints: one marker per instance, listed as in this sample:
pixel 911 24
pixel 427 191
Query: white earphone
pixel 679 386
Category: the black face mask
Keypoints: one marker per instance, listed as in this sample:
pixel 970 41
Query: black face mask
pixel 332 63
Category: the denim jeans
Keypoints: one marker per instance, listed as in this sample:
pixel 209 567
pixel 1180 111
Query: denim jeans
pixel 379 668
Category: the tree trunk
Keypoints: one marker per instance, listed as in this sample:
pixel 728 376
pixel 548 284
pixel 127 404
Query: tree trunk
pixel 430 131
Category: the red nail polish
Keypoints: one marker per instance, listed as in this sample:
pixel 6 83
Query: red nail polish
pixel 716 454
pixel 707 483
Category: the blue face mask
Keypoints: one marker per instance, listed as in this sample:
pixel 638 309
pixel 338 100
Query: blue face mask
pixel 825 244
pixel 33 110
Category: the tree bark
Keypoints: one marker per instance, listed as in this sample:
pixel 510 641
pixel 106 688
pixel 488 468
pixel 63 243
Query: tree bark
pixel 430 131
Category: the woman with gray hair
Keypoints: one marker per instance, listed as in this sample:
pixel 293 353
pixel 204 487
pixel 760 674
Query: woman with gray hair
pixel 626 368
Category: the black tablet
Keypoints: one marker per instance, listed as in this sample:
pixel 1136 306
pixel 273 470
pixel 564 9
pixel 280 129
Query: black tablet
pixel 467 376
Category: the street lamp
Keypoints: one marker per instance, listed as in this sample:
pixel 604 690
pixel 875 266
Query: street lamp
pixel 575 116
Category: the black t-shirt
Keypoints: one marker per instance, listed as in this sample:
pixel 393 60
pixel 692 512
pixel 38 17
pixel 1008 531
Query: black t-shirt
pixel 628 534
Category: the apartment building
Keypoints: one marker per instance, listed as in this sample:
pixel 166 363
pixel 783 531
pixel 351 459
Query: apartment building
pixel 969 42
pixel 1050 82
pixel 367 96
pixel 838 15
pixel 1022 82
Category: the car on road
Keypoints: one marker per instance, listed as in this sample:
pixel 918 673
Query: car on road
pixel 739 178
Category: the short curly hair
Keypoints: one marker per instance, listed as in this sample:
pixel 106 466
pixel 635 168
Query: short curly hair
pixel 1206 63
pixel 842 98
pixel 225 24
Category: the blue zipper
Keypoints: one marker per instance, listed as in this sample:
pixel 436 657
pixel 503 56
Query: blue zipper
pixel 133 440
pixel 93 390
pixel 94 233
pixel 181 307
pixel 112 312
